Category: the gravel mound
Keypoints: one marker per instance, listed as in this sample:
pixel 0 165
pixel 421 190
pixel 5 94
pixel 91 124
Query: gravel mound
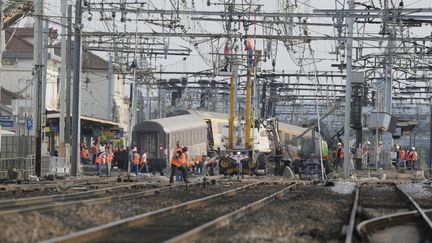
pixel 344 187
pixel 417 190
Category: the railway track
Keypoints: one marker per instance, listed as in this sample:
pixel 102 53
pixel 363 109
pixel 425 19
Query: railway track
pixel 384 214
pixel 86 202
pixel 29 190
pixel 185 221
pixel 60 199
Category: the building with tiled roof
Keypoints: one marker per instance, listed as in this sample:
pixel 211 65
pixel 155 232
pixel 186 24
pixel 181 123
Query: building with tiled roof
pixel 17 78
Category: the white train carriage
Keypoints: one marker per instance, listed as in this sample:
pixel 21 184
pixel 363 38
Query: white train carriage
pixel 159 138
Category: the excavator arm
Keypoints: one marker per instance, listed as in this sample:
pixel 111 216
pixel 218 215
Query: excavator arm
pixel 16 11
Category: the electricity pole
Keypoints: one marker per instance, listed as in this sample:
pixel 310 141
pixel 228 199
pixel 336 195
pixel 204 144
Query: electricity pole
pixel 2 40
pixel 349 77
pixel 76 91
pixel 38 63
pixel 62 93
pixel 68 75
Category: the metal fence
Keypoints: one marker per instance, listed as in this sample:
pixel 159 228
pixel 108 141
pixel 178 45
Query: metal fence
pixel 17 146
pixel 23 166
pixel 59 166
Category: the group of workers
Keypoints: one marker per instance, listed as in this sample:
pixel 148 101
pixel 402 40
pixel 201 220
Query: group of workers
pixel 104 155
pixel 100 156
pixel 404 157
pixel 181 166
pixel 139 162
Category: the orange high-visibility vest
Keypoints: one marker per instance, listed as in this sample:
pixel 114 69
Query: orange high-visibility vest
pixel 184 158
pixel 109 157
pixel 99 159
pixel 95 149
pixel 403 155
pixel 198 158
pixel 412 155
pixel 137 159
pixel 190 164
pixel 249 44
pixel 176 162
pixel 339 153
pixel 83 153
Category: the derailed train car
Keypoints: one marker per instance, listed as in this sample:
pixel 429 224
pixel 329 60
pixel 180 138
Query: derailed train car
pixel 204 133
pixel 159 138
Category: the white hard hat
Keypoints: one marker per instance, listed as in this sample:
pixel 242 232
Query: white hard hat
pixel 380 142
pixel 413 148
pixel 339 144
pixel 238 153
pixel 367 142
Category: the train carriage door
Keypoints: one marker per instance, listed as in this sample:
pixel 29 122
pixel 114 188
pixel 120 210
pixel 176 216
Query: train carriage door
pixel 149 141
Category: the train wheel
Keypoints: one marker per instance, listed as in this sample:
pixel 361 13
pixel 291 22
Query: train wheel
pixel 224 163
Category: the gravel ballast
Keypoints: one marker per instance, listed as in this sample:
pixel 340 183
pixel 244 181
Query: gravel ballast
pixel 33 226
pixel 309 213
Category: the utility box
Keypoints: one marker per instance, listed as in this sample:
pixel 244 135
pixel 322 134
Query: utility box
pixel 380 121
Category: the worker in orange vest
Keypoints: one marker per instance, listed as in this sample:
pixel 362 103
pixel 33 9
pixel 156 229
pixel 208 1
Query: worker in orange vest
pixel 227 54
pixel 84 153
pixel 403 156
pixel 339 156
pixel 199 163
pixel 100 159
pixel 178 162
pixel 412 158
pixel 95 150
pixel 109 158
pixel 249 49
pixel 136 160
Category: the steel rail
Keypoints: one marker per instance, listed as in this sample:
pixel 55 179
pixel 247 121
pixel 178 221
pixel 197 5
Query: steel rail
pixel 226 219
pixel 58 205
pixel 417 207
pixel 24 187
pixel 351 224
pixel 370 226
pixel 103 231
pixel 24 202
